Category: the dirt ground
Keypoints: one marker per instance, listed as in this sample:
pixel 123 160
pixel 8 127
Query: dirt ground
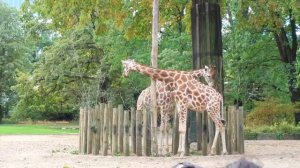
pixel 60 151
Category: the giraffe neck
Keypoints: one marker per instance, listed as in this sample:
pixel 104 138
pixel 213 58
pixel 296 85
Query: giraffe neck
pixel 155 74
pixel 197 73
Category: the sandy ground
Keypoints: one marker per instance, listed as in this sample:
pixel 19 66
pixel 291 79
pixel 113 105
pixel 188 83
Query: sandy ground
pixel 59 151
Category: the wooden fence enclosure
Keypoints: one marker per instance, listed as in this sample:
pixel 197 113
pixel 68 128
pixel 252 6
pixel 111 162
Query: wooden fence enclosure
pixel 109 130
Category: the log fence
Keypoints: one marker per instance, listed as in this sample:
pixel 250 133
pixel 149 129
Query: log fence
pixel 108 130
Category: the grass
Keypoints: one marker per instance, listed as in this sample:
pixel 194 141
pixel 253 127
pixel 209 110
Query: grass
pixel 35 129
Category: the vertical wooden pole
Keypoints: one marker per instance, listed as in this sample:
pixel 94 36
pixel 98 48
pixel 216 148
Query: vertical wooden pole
pixel 154 54
pixel 85 128
pixel 233 128
pixel 229 130
pixel 105 131
pixel 126 133
pixel 110 118
pixel 187 143
pixel 102 107
pixel 89 131
pixel 120 127
pixel 133 129
pixel 199 130
pixel 114 132
pixel 146 133
pixel 204 133
pixel 175 135
pixel 94 131
pixel 240 130
pixel 139 127
pixel 97 125
pixel 80 129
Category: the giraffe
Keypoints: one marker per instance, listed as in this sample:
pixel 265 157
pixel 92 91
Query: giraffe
pixel 166 103
pixel 188 94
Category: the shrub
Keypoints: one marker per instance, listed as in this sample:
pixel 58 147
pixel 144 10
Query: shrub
pixel 270 112
pixel 279 129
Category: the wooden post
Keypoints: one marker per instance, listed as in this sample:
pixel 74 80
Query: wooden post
pixel 89 131
pixel 175 135
pixel 126 133
pixel 102 108
pixel 105 131
pixel 229 130
pixel 97 126
pixel 94 131
pixel 240 130
pixel 199 130
pixel 80 130
pixel 154 54
pixel 146 133
pixel 110 118
pixel 204 133
pixel 233 129
pixel 139 127
pixel 120 127
pixel 133 129
pixel 115 132
pixel 85 128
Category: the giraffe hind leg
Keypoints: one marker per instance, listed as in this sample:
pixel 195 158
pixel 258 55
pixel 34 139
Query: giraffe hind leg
pixel 219 128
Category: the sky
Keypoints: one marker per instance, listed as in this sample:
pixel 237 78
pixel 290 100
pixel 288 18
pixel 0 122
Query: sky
pixel 13 3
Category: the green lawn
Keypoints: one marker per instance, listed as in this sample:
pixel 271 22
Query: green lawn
pixel 28 129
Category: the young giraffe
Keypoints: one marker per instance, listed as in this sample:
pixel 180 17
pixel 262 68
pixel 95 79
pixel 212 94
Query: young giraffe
pixel 188 94
pixel 166 103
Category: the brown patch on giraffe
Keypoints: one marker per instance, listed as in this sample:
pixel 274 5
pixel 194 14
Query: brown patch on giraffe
pixel 182 87
pixel 163 74
pixel 183 78
pixel 150 71
pixel 172 74
pixel 155 76
pixel 177 76
pixel 191 86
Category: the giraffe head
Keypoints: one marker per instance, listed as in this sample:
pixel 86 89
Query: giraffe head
pixel 128 65
pixel 210 75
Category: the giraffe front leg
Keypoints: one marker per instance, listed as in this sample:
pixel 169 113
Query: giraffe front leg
pixel 223 140
pixel 182 134
pixel 213 147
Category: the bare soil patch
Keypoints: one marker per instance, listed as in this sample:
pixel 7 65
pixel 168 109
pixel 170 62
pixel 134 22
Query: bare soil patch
pixel 60 151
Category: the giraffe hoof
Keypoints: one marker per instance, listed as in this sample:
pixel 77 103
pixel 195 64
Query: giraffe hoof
pixel 182 155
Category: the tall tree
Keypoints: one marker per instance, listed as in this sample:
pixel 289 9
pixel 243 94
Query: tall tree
pixel 12 53
pixel 281 18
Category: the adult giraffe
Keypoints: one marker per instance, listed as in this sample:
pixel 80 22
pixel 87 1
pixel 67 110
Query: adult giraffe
pixel 188 94
pixel 166 103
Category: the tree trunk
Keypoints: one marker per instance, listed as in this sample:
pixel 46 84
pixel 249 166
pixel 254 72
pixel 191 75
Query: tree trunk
pixel 154 53
pixel 207 42
pixel 287 52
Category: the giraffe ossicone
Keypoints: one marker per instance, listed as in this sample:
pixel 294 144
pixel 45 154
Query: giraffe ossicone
pixel 188 94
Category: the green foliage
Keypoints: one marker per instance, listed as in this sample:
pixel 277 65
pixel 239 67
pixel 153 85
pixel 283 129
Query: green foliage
pixel 271 112
pixel 279 129
pixel 13 54
pixel 250 133
pixel 65 75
